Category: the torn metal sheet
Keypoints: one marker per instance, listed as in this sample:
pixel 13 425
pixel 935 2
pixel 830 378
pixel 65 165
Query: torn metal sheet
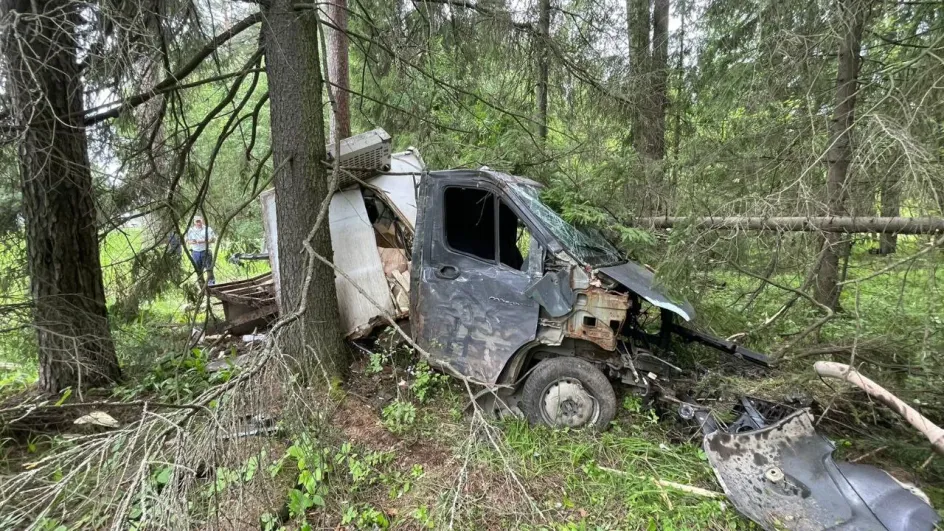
pixel 553 293
pixel 598 316
pixel 359 258
pixel 399 186
pixel 351 231
pixel 783 477
pixel 642 282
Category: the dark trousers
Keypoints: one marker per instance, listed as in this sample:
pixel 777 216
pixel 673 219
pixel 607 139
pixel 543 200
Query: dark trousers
pixel 203 261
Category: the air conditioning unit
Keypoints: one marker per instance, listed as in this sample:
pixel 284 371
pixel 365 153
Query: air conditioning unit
pixel 364 155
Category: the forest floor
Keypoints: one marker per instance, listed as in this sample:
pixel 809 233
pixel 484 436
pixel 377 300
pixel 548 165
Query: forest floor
pixel 400 449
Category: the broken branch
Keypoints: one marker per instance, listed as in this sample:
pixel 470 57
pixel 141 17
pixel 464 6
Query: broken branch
pixel 841 371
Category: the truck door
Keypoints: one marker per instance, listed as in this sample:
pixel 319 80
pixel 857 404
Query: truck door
pixel 468 307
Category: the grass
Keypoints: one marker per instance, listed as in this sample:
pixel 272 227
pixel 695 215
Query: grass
pixel 416 461
pixel 138 341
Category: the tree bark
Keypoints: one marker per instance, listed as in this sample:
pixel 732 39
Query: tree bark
pixel 851 21
pixel 891 206
pixel 298 149
pixel 339 71
pixel 658 72
pixel 544 33
pixel 831 224
pixel 69 312
pixel 638 24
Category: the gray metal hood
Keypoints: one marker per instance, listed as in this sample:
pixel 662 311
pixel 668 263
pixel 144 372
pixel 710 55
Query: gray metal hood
pixel 642 282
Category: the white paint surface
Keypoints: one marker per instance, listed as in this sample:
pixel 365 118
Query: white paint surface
pixel 355 253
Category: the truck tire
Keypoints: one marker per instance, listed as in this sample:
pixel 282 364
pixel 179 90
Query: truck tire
pixel 568 392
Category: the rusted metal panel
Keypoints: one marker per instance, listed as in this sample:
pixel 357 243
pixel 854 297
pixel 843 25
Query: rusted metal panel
pixel 247 304
pixel 598 316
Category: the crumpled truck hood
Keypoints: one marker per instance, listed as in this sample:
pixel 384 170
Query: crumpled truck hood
pixel 642 282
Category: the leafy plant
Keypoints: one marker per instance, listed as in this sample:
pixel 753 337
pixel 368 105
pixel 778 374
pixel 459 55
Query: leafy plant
pixel 399 416
pixel 364 517
pixel 422 515
pixel 426 381
pixel 376 363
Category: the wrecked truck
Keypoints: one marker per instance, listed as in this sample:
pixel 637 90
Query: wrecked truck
pixel 503 292
pixel 542 314
pixel 497 287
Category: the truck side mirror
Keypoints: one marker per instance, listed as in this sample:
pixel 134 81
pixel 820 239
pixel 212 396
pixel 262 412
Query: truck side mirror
pixel 553 292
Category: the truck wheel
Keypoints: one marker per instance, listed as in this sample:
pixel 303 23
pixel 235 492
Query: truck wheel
pixel 568 393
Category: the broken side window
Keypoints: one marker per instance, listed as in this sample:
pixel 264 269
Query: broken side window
pixel 590 249
pixel 470 221
pixel 514 238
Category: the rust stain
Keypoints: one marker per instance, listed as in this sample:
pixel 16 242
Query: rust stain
pixel 597 317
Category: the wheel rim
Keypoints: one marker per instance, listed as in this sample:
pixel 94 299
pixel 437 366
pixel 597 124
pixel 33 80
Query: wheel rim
pixel 567 403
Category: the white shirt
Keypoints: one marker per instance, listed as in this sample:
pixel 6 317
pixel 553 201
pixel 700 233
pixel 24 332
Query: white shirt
pixel 202 236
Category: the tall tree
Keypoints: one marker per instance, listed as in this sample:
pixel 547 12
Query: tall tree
pixel 544 33
pixel 659 73
pixel 638 13
pixel 338 70
pixel 648 28
pixel 852 15
pixel 301 184
pixel 69 312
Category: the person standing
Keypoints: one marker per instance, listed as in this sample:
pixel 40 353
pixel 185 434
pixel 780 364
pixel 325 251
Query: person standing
pixel 199 237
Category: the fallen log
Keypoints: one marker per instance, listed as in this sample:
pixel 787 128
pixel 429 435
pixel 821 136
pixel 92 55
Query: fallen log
pixel 844 224
pixel 933 432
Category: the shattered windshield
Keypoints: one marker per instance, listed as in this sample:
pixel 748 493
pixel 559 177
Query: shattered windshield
pixel 591 249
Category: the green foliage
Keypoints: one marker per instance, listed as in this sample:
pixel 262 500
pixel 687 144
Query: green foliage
pixel 422 516
pixel 608 481
pixel 175 378
pixel 399 416
pixel 426 381
pixel 376 363
pixel 364 517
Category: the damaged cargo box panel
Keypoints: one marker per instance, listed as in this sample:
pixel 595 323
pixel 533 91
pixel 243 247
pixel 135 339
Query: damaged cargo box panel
pixel 360 260
pixel 371 227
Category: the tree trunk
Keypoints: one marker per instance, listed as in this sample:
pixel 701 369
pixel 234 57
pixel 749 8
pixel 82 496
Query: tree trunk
pixel 638 20
pixel 69 312
pixel 338 70
pixel 891 206
pixel 298 149
pixel 544 33
pixel 680 72
pixel 852 19
pixel 658 72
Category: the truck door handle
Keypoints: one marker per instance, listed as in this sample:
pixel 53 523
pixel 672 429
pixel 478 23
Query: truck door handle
pixel 448 272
